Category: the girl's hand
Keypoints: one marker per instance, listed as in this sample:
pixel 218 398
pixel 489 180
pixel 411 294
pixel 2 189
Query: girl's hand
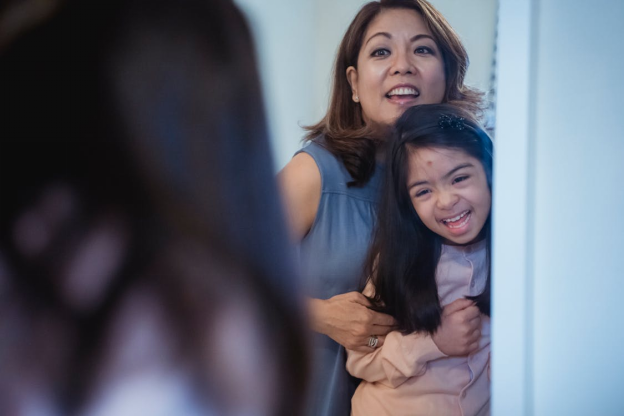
pixel 348 320
pixel 459 333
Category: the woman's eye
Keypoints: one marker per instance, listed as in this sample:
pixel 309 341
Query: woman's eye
pixel 460 179
pixel 380 52
pixel 422 193
pixel 424 50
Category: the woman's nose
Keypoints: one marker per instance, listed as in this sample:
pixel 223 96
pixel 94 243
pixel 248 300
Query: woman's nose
pixel 402 64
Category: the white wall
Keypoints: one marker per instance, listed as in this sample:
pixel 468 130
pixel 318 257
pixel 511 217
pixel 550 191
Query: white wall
pixel 297 40
pixel 284 32
pixel 562 321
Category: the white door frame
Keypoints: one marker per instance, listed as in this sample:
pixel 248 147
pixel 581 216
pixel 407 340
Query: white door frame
pixel 513 191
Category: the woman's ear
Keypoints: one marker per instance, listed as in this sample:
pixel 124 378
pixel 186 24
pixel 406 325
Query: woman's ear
pixel 352 78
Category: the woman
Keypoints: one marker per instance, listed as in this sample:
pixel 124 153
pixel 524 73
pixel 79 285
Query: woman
pixel 395 54
pixel 144 265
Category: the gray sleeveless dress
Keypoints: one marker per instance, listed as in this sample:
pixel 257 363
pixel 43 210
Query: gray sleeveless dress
pixel 332 256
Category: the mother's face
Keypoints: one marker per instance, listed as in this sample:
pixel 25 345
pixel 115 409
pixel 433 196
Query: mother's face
pixel 399 65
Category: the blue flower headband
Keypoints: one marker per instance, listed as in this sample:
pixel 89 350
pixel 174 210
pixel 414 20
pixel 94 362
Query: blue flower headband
pixel 446 121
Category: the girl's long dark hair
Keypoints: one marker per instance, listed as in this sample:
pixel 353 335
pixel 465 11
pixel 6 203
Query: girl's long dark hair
pixel 404 254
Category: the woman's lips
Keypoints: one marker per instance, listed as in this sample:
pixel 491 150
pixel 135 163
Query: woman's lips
pixel 401 100
pixel 402 93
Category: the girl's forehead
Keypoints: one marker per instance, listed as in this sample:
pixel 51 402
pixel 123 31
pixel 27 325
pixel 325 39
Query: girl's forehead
pixel 429 159
pixel 437 153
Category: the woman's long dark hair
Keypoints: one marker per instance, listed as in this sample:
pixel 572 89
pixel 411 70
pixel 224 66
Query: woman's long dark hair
pixel 404 254
pixel 149 113
pixel 343 130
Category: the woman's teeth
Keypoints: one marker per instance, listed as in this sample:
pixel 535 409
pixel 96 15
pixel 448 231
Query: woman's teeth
pixel 403 91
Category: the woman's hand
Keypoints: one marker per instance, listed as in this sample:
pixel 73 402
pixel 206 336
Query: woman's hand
pixel 348 319
pixel 459 333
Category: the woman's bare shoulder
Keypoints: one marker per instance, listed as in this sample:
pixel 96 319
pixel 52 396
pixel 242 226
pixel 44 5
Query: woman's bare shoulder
pixel 300 184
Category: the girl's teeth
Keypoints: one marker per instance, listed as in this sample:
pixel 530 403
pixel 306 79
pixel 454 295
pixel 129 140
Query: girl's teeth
pixel 462 224
pixel 454 219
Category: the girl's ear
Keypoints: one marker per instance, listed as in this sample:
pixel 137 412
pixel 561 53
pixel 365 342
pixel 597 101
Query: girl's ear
pixel 352 78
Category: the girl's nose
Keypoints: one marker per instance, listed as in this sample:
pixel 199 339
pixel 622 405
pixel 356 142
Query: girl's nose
pixel 447 200
pixel 402 64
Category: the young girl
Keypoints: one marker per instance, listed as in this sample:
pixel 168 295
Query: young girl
pixel 429 268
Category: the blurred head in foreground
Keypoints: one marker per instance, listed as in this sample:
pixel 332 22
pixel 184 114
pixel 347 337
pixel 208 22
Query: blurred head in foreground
pixel 144 267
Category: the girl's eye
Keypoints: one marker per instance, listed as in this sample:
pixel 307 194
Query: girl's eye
pixel 424 50
pixel 422 193
pixel 380 52
pixel 460 179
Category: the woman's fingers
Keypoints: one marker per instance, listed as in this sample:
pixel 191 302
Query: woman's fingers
pixel 382 320
pixel 358 298
pixel 380 342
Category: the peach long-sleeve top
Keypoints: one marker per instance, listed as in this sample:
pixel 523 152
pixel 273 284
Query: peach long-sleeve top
pixel 409 375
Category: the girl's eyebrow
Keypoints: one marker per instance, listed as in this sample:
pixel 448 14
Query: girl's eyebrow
pixel 446 176
pixel 457 168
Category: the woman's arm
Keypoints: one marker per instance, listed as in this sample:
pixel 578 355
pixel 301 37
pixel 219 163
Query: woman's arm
pixel 348 320
pixel 300 184
pixel 345 318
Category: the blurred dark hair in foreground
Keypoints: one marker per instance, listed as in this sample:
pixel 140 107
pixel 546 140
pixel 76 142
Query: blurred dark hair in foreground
pixel 144 264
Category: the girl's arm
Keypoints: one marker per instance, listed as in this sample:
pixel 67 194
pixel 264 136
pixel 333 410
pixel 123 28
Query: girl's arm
pixel 406 356
pixel 400 358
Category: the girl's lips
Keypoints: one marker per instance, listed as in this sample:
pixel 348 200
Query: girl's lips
pixel 458 224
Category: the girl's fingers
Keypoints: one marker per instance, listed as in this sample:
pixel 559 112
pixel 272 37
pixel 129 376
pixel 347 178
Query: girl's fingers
pixel 472 312
pixel 475 335
pixel 475 321
pixel 473 346
pixel 457 305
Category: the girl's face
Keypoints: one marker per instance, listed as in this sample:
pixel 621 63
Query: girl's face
pixel 399 65
pixel 449 191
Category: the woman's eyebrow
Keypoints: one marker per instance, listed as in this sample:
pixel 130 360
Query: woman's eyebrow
pixel 384 34
pixel 389 36
pixel 422 35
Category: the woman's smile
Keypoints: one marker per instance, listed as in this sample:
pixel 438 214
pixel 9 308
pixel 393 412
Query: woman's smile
pixel 403 95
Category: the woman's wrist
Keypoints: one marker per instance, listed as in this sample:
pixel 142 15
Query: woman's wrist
pixel 316 314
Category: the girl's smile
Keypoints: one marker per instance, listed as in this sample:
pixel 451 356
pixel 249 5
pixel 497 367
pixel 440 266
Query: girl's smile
pixel 457 223
pixel 449 192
